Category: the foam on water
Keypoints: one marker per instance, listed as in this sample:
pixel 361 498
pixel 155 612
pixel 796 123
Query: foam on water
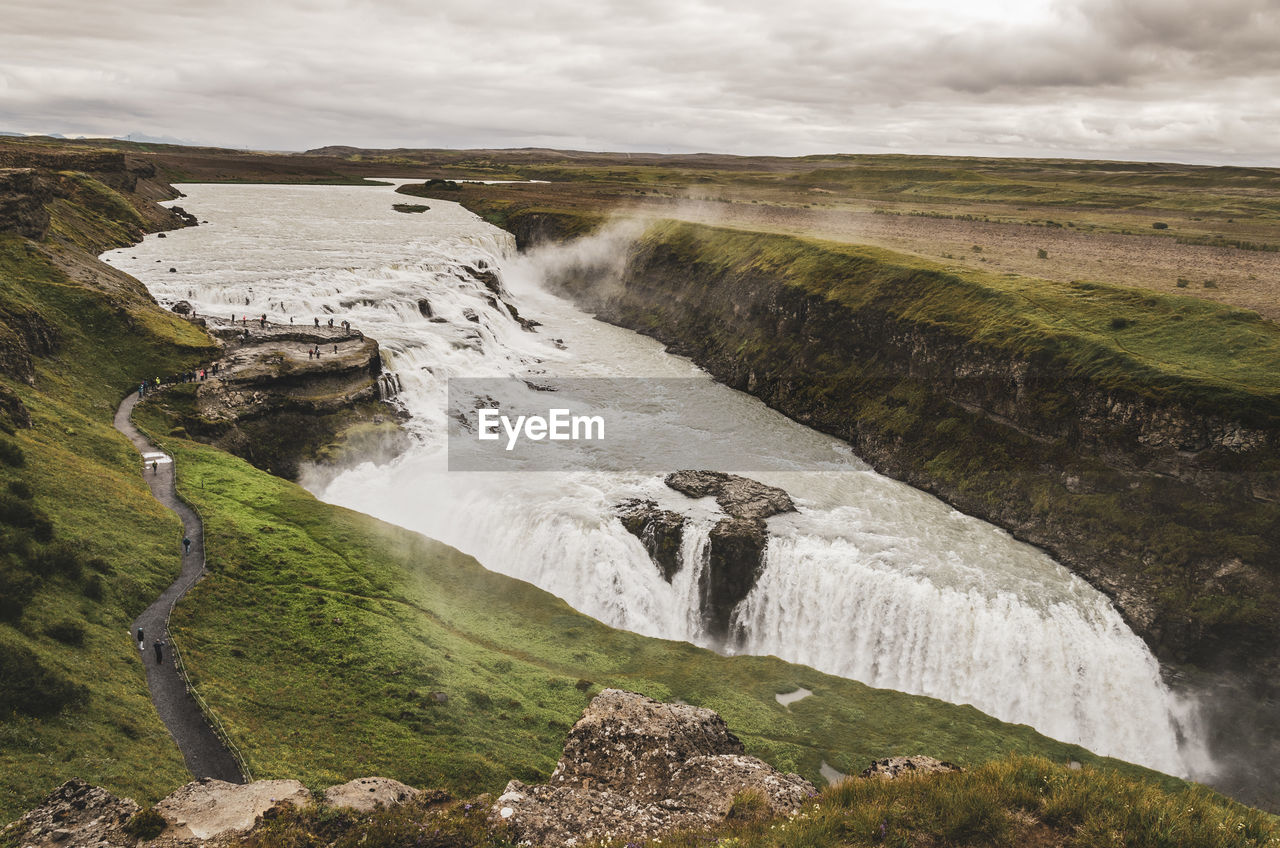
pixel 870 579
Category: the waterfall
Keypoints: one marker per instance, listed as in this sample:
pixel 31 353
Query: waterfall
pixel 869 579
pixel 1066 666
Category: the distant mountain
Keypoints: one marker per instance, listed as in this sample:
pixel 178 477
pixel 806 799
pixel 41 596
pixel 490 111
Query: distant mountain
pixel 143 138
pixel 137 138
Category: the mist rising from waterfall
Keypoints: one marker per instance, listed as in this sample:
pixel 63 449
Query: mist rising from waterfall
pixel 870 579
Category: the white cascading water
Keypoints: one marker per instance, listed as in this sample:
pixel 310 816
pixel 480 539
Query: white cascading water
pixel 870 579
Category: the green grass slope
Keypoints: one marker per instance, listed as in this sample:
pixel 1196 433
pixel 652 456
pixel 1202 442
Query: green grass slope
pixel 83 546
pixel 333 645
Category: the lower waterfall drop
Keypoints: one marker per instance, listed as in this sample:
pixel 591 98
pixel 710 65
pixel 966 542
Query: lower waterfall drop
pixel 870 579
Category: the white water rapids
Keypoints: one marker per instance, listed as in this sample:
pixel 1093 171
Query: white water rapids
pixel 870 579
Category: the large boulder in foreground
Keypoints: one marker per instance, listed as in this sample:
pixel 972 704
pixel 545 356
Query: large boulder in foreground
pixel 635 767
pixel 207 808
pixel 75 814
pixel 365 793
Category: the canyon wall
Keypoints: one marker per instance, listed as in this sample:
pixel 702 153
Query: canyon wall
pixel 1162 495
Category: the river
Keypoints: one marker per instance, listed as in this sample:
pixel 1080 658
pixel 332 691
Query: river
pixel 869 579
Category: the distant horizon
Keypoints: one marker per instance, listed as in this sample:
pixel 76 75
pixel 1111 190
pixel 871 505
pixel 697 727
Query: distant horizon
pixel 1174 81
pixel 1089 156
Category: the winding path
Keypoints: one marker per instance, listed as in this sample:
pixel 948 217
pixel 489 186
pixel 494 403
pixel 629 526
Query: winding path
pixel 204 752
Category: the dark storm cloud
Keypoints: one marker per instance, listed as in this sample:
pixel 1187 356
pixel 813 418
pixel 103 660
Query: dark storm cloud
pixel 1131 78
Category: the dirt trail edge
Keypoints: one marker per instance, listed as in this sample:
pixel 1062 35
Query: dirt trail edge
pixel 204 752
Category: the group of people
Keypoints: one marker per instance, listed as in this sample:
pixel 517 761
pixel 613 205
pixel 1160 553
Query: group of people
pixel 193 376
pixel 261 321
pixel 157 646
pixel 346 325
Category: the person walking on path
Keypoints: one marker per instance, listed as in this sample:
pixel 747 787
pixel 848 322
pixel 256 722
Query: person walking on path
pixel 205 754
pixel 142 389
pixel 186 545
pixel 155 466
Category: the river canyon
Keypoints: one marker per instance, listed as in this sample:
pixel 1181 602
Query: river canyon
pixel 867 578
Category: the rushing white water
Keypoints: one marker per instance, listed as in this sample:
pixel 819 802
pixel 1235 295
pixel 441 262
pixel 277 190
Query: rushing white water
pixel 870 579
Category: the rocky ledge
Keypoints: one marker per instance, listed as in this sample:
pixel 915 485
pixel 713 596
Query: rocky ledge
pixel 203 812
pixel 635 767
pixel 737 544
pixel 276 403
pixel 632 769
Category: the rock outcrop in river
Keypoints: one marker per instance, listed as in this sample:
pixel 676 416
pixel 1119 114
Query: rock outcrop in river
pixel 735 555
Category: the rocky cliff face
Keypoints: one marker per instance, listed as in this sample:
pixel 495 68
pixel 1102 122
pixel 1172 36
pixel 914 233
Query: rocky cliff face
pixel 24 197
pixel 275 404
pixel 33 179
pixel 1169 508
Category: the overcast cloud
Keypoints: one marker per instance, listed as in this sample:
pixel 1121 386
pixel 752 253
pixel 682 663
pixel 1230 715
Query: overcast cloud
pixel 1184 80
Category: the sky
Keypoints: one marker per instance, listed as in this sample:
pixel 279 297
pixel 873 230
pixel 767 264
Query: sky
pixel 1170 80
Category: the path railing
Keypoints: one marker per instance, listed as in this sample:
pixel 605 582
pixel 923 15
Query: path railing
pixel 210 715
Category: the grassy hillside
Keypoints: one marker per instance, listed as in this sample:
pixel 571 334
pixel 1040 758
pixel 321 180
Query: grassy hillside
pixel 319 623
pixel 83 546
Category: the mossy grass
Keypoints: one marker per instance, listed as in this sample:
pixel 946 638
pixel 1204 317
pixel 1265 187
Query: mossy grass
pixel 114 547
pixel 320 623
pixel 1212 357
